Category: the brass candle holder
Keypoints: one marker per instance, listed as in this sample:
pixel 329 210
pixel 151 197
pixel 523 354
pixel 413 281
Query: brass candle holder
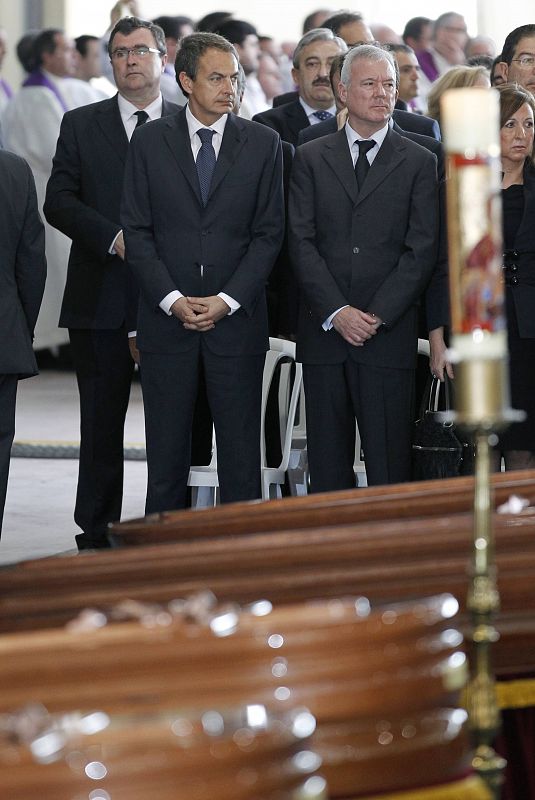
pixel 479 352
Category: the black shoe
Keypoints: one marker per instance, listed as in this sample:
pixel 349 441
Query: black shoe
pixel 86 542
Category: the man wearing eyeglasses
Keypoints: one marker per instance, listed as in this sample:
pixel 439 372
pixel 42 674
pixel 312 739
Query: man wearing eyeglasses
pixel 518 58
pixel 83 201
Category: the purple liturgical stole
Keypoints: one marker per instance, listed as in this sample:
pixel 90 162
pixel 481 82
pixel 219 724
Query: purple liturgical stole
pixel 37 78
pixel 427 63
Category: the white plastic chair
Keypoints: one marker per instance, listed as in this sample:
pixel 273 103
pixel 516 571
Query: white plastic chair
pixel 290 385
pixel 288 397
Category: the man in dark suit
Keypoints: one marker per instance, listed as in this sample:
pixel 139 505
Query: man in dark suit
pixel 83 201
pixel 203 213
pixel 22 283
pixel 311 66
pixel 363 239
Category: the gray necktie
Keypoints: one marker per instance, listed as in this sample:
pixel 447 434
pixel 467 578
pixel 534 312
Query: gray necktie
pixel 362 165
pixel 205 162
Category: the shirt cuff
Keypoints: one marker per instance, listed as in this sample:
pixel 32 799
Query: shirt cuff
pixel 327 325
pixel 168 301
pixel 231 303
pixel 111 251
pixel 132 334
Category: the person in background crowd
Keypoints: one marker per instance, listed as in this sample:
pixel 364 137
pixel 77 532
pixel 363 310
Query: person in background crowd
pixel 496 77
pixel 269 77
pixel 418 33
pixel 6 92
pixel 480 46
pixel 211 22
pixel 100 301
pixel 409 75
pixel 244 37
pixel 446 51
pixel 517 108
pixel 174 29
pixel 385 35
pixel 480 61
pixel 22 282
pixel 518 57
pixel 312 62
pixel 316 19
pixel 89 66
pixel 456 78
pixel 30 127
pixel 350 27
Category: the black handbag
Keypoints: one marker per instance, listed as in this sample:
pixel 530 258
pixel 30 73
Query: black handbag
pixel 438 450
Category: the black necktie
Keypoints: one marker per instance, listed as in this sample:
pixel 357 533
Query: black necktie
pixel 205 162
pixel 362 165
pixel 142 117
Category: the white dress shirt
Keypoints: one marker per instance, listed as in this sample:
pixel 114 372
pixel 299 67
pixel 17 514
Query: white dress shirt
pixel 311 112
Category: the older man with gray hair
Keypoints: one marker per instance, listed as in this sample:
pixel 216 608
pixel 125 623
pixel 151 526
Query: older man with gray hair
pixel 311 68
pixel 363 237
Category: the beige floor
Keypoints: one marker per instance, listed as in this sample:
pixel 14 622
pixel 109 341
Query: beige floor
pixel 38 518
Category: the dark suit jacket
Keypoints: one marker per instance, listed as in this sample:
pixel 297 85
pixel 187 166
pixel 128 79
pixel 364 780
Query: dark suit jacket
pixel 22 266
pixel 235 238
pixel 287 120
pixel 374 250
pixel 83 200
pixel 523 294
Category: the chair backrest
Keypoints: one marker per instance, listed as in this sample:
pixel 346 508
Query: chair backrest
pixel 281 352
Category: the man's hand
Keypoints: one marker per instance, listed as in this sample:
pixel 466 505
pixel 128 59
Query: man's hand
pixel 134 352
pixel 119 245
pixel 216 309
pixel 355 326
pixel 437 359
pixel 188 312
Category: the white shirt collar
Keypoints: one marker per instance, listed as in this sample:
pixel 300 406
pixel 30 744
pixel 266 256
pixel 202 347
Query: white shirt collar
pixel 353 135
pixel 128 109
pixel 310 112
pixel 194 125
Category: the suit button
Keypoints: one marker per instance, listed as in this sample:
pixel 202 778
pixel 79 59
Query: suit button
pixel 356 250
pixel 204 233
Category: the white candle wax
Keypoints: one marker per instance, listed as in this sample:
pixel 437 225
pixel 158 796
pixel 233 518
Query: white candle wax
pixel 470 121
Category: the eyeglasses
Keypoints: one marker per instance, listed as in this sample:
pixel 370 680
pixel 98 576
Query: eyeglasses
pixel 525 61
pixel 140 52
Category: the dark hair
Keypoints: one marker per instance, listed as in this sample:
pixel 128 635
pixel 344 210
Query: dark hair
pixel 513 97
pixel 24 50
pixel 513 38
pixel 128 25
pixel 337 21
pixel 393 47
pixel 81 43
pixel 44 42
pixel 211 22
pixel 193 47
pixel 309 22
pixel 480 61
pixel 415 26
pixel 236 30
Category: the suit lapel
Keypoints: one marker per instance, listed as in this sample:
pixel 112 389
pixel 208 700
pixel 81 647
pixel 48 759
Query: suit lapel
pixel 177 138
pixel 336 153
pixel 296 119
pixel 111 125
pixel 233 140
pixel 524 235
pixel 390 155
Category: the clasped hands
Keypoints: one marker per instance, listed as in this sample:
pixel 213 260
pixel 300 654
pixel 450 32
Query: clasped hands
pixel 200 313
pixel 356 326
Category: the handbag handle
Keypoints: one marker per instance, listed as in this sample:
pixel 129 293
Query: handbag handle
pixel 431 396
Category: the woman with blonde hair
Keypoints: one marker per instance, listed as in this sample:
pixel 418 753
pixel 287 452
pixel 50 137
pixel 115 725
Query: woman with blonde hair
pixel 455 78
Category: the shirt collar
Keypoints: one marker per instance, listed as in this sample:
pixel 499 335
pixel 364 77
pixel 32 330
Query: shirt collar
pixel 128 109
pixel 309 111
pixel 353 135
pixel 194 125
